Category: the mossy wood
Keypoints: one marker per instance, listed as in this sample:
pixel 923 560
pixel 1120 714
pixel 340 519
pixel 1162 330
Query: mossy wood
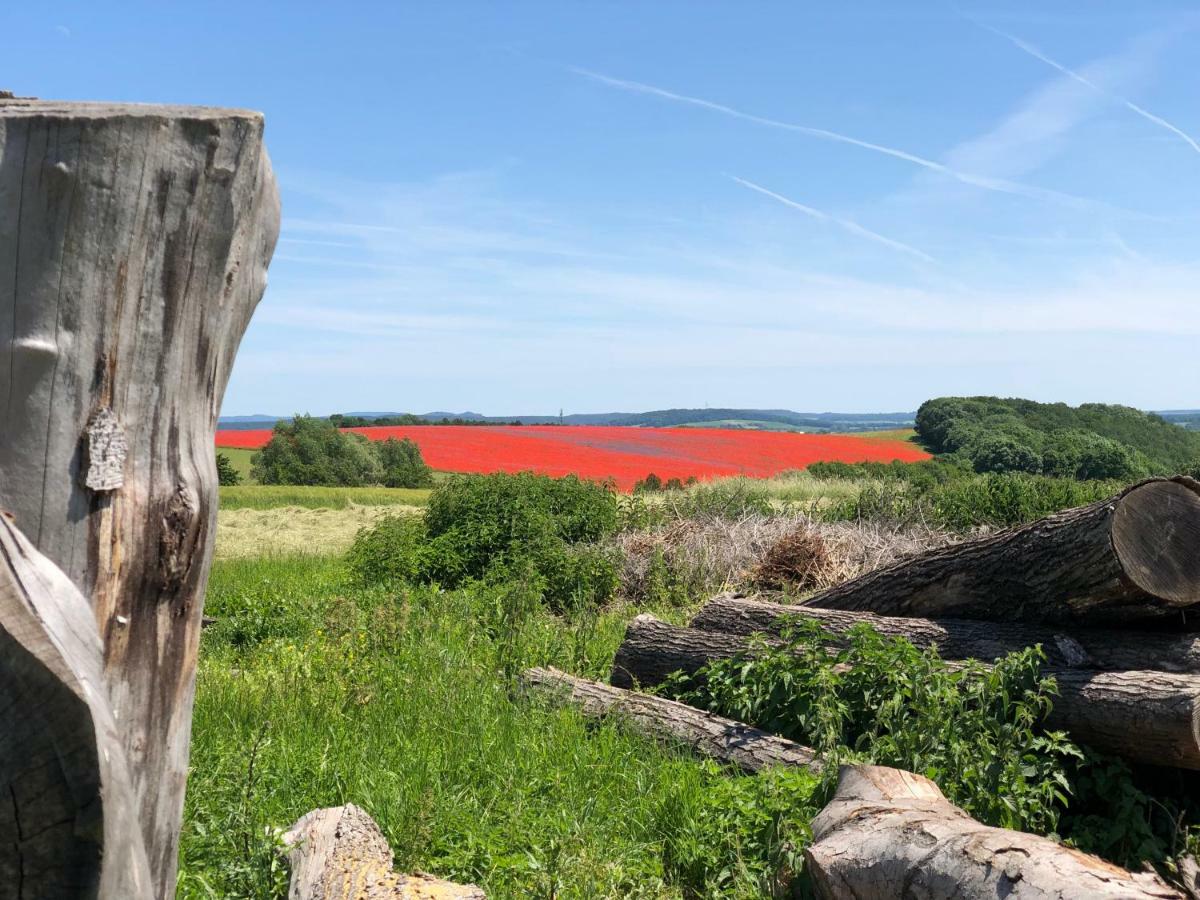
pixel 134 243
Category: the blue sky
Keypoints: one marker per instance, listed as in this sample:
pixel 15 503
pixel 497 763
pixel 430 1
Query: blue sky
pixel 521 207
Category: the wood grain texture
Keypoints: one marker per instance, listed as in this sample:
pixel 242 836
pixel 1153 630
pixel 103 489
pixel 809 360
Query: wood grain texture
pixel 339 853
pixel 1085 648
pixel 1149 717
pixel 134 242
pixel 1130 558
pixel 892 834
pixel 68 821
pixel 675 724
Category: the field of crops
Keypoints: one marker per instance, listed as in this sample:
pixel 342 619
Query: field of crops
pixel 620 453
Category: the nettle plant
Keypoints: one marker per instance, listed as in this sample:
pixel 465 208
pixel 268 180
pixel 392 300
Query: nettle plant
pixel 862 697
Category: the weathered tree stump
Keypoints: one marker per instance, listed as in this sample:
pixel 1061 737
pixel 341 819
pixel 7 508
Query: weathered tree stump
pixel 134 242
pixel 888 833
pixel 673 723
pixel 1129 558
pixel 1149 717
pixel 1068 648
pixel 339 853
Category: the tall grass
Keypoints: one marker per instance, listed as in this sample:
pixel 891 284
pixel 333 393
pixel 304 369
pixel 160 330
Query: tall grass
pixel 314 692
pixel 262 496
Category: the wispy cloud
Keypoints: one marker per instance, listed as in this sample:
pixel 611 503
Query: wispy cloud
pixel 1088 82
pixel 847 224
pixel 981 181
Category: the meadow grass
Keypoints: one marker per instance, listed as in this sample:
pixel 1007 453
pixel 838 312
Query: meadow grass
pixel 314 691
pixel 239 458
pixel 273 496
pixel 295 530
pixel 890 434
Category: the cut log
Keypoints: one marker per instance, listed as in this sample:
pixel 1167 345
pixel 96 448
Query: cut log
pixel 339 852
pixel 1149 717
pixel 134 242
pixel 1079 648
pixel 888 833
pixel 703 733
pixel 68 821
pixel 1130 558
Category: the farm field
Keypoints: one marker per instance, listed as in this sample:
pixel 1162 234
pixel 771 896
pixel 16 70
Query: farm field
pixel 621 453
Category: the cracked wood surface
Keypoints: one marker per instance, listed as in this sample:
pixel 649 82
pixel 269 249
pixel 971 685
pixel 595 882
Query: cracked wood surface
pixel 892 834
pixel 339 853
pixel 68 824
pixel 134 242
pixel 1130 558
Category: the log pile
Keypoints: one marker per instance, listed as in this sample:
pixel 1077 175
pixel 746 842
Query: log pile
pixel 1105 590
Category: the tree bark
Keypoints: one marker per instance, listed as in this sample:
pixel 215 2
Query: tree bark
pixel 68 824
pixel 888 833
pixel 705 734
pixel 134 242
pixel 1079 648
pixel 1150 717
pixel 1126 559
pixel 339 852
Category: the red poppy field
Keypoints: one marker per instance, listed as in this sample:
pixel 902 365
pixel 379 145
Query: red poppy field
pixel 621 453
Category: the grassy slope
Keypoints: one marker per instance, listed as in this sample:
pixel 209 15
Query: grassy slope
pixel 259 496
pixel 240 458
pixel 313 692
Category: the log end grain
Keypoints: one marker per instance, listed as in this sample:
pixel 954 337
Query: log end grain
pixel 1156 533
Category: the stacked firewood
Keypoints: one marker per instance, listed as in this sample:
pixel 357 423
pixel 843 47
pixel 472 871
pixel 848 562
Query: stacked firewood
pixel 1105 589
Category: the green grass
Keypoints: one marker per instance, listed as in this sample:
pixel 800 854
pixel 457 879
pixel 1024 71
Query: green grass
pixel 239 457
pixel 260 496
pixel 313 691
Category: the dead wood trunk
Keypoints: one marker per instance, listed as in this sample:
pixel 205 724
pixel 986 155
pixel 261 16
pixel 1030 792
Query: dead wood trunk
pixel 1126 559
pixel 968 639
pixel 705 734
pixel 134 242
pixel 340 852
pixel 1150 717
pixel 68 824
pixel 888 833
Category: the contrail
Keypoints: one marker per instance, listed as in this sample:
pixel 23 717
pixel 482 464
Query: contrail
pixel 1071 73
pixel 849 225
pixel 982 181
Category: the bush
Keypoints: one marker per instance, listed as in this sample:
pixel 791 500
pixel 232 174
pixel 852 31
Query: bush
pixel 402 464
pixel 730 498
pixel 651 484
pixel 227 475
pixel 973 729
pixel 1004 500
pixel 312 451
pixel 491 527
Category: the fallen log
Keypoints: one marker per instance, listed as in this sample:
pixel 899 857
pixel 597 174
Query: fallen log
pixel 1130 558
pixel 1150 717
pixel 1091 648
pixel 340 852
pixel 889 833
pixel 134 242
pixel 704 733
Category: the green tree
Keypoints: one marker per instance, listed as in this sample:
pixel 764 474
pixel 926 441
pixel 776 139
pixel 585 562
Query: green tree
pixel 226 473
pixel 309 450
pixel 402 464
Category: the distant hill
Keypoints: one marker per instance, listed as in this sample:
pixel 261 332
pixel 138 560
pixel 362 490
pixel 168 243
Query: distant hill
pixel 755 419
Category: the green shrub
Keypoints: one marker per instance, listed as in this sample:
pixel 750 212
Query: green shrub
pixel 729 498
pixel 402 464
pixel 312 451
pixel 1004 500
pixel 488 527
pixel 227 475
pixel 741 837
pixel 973 729
pixel 651 484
